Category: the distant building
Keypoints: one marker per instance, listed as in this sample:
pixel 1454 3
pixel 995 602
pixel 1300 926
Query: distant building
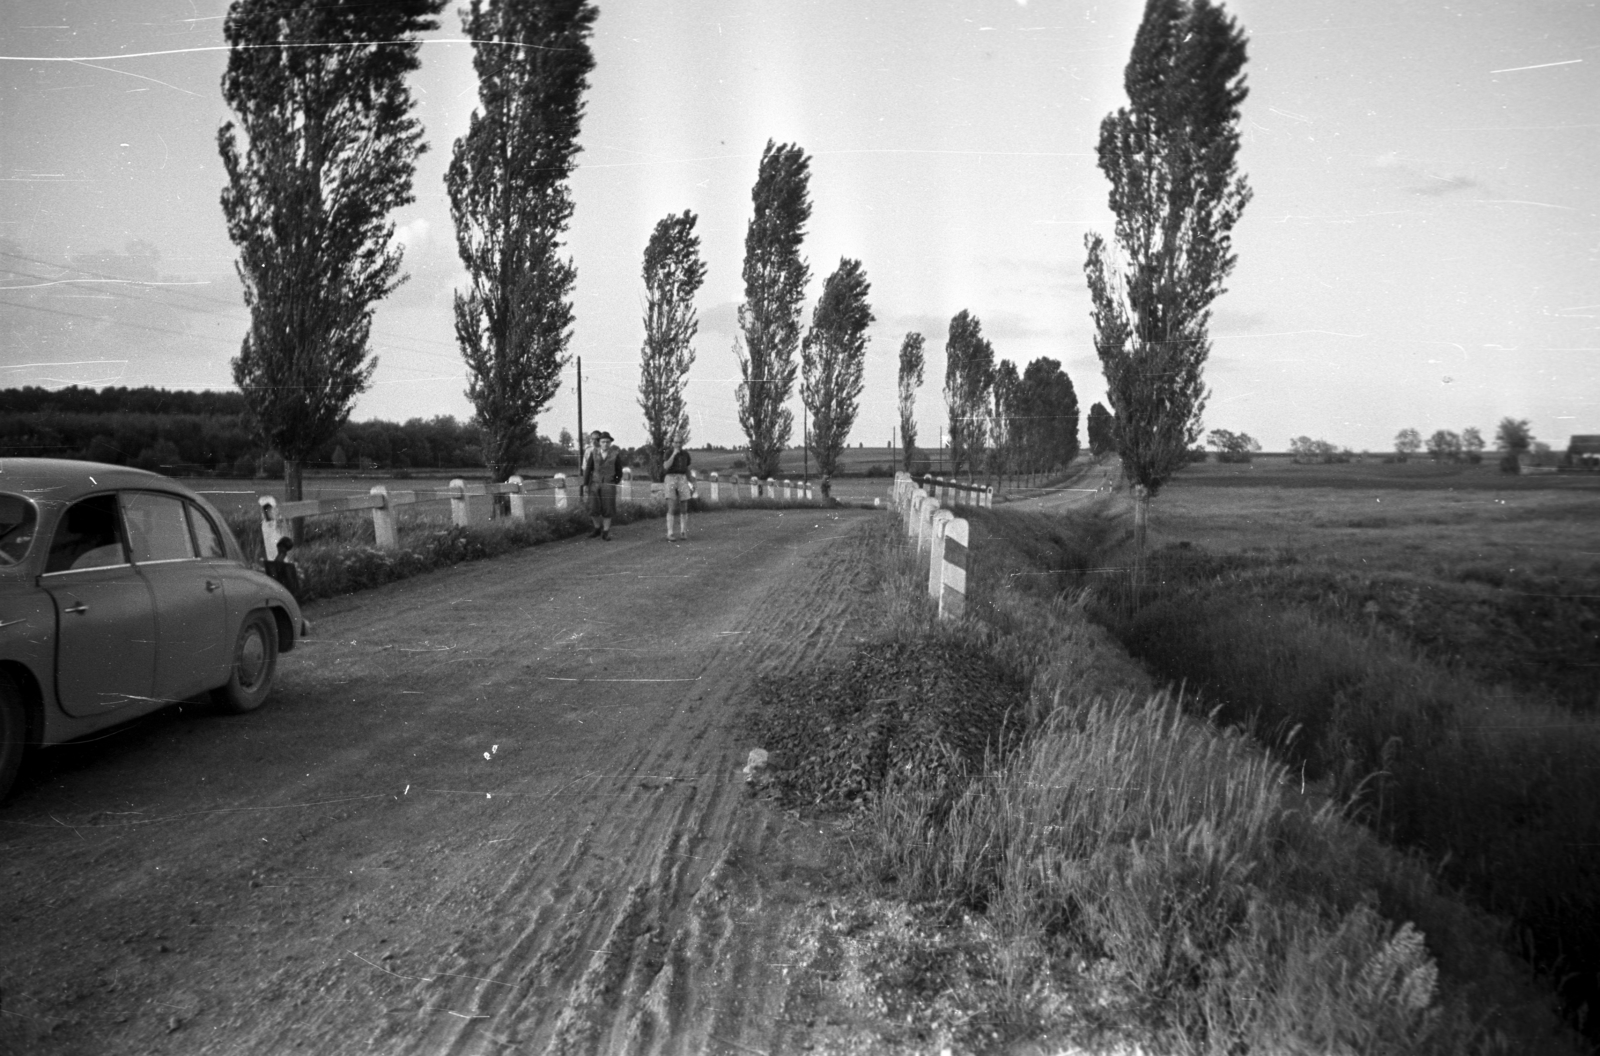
pixel 1583 452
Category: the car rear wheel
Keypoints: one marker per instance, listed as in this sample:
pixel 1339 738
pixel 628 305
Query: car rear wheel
pixel 255 663
pixel 13 732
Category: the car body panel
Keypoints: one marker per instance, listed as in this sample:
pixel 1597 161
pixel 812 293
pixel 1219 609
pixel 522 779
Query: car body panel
pixel 33 607
pixel 105 639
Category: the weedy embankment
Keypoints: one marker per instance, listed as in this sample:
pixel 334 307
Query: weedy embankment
pixel 1113 870
pixel 1478 765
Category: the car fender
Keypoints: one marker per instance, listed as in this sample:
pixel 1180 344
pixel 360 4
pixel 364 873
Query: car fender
pixel 257 590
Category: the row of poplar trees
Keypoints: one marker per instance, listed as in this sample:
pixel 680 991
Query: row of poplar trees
pixel 323 147
pixel 832 349
pixel 999 421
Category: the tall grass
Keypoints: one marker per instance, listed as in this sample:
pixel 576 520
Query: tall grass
pixel 1169 861
pixel 1499 786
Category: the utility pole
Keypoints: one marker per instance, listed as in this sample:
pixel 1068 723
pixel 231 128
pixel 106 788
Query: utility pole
pixel 581 438
pixel 805 440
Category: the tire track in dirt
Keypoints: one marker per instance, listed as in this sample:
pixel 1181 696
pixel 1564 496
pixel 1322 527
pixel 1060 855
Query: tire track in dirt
pixel 655 970
pixel 497 808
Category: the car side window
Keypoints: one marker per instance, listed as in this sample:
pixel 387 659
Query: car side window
pixel 157 528
pixel 17 517
pixel 87 537
pixel 206 537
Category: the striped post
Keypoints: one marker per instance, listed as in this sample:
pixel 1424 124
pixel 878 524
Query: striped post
pixel 936 528
pixel 561 491
pixel 953 580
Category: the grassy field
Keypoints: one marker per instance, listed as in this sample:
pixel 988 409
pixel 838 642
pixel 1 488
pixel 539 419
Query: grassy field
pixel 1429 652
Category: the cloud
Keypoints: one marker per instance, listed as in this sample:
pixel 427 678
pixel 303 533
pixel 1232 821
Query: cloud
pixel 414 235
pixel 1418 180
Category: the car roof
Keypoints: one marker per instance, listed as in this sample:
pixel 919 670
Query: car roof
pixel 63 478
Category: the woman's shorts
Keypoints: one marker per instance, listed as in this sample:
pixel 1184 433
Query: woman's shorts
pixel 603 500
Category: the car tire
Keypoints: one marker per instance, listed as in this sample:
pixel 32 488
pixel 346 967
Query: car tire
pixel 254 665
pixel 13 732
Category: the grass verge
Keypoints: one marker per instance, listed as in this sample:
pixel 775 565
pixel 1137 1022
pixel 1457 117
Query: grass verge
pixel 1114 871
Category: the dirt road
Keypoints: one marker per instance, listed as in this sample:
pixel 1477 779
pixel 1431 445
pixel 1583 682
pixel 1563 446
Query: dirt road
pixel 494 809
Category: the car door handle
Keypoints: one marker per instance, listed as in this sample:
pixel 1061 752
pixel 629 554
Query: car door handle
pixel 212 585
pixel 79 609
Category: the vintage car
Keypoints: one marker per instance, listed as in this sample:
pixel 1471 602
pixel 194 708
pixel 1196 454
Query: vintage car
pixel 122 592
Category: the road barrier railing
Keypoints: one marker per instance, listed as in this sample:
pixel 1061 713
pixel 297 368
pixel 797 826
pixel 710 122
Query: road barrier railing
pixel 385 504
pixel 955 493
pixel 941 535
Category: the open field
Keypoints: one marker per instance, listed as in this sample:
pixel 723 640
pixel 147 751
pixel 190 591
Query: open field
pixel 1430 654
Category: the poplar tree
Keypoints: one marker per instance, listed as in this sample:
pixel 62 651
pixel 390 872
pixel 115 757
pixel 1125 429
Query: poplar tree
pixel 968 376
pixel 1170 156
pixel 509 199
pixel 833 356
pixel 1102 430
pixel 910 379
pixel 673 274
pixel 1048 409
pixel 775 277
pixel 319 96
pixel 1008 419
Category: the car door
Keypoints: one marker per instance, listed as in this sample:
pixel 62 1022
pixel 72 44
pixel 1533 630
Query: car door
pixel 105 619
pixel 191 609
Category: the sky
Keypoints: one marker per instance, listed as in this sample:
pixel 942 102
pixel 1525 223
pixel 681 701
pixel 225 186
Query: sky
pixel 1422 251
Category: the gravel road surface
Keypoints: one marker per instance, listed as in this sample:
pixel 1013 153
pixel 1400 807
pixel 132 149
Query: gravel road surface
pixel 493 809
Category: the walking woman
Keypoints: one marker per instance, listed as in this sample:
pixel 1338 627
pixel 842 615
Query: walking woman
pixel 602 473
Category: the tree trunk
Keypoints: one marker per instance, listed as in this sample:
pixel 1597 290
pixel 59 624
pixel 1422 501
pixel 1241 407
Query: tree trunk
pixel 293 492
pixel 1141 520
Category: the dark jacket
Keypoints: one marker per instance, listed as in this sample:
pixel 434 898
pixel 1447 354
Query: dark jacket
pixel 603 469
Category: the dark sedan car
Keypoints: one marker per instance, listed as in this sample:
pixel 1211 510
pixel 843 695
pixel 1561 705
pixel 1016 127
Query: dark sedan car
pixel 121 592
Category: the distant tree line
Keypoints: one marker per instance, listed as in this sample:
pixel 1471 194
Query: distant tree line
pixel 208 433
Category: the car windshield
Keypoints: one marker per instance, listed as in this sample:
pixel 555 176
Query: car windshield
pixel 18 519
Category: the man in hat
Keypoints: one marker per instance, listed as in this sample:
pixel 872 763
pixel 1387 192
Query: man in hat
pixel 602 472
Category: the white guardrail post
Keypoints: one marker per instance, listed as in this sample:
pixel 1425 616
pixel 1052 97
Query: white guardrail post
pixel 925 523
pixel 625 493
pixel 914 514
pixel 953 577
pixel 385 531
pixel 460 515
pixel 936 527
pixel 519 501
pixel 715 483
pixel 272 527
pixel 560 487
